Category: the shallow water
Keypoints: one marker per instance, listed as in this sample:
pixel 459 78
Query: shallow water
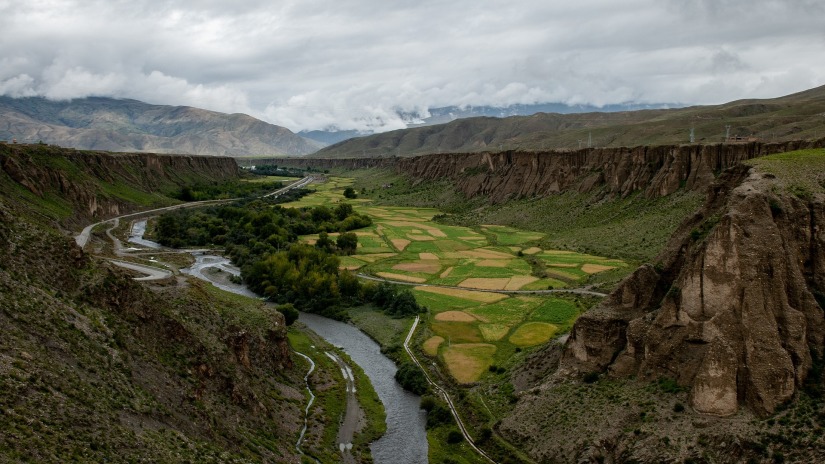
pixel 405 441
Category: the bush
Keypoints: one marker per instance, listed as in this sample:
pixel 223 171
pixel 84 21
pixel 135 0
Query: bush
pixel 428 403
pixel 411 378
pixel 438 415
pixel 289 312
pixel 349 192
pixel 454 436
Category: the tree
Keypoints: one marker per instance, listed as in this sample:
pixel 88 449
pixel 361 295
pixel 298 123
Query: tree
pixel 349 192
pixel 411 378
pixel 404 304
pixel 342 211
pixel 323 242
pixel 289 312
pixel 347 243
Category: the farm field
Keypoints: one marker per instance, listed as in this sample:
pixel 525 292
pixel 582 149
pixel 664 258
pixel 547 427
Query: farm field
pixel 456 272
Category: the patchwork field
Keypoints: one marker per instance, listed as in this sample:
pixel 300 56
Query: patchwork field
pixel 471 326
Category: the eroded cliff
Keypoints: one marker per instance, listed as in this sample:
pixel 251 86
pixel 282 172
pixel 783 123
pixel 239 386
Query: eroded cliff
pixel 655 170
pixel 732 307
pixel 81 186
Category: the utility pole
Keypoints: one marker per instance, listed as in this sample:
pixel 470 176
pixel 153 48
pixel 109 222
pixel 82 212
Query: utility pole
pixel 727 132
pixel 580 143
pixel 692 138
pixel 589 139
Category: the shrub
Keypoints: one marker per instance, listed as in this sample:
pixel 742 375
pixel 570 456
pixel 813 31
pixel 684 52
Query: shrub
pixel 289 312
pixel 590 377
pixel 454 436
pixel 438 415
pixel 411 378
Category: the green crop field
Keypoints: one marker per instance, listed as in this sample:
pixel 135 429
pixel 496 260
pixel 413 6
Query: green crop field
pixel 405 244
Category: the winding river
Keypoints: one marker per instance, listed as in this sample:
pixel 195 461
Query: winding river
pixel 405 441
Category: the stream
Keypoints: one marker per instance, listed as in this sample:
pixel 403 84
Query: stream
pixel 405 441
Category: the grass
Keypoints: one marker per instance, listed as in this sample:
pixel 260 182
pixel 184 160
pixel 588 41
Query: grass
pixel 533 333
pixel 802 172
pixel 466 362
pixel 385 330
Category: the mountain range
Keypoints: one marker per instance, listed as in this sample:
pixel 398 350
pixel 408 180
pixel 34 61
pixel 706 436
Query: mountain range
pixel 793 117
pixel 109 124
pixel 445 114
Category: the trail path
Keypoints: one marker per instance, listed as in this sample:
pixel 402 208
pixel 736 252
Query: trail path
pixel 352 413
pixel 443 393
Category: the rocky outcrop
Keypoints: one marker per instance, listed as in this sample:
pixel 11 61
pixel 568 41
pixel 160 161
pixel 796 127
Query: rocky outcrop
pixel 92 183
pixel 729 311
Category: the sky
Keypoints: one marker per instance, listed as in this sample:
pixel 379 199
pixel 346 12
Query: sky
pixel 357 64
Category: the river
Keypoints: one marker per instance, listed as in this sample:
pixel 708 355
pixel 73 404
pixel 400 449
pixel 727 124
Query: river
pixel 405 441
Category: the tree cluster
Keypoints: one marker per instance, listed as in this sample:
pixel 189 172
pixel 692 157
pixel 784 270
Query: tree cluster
pixel 262 240
pixel 274 170
pixel 230 189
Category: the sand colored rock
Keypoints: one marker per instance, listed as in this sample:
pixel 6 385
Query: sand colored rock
pixel 730 313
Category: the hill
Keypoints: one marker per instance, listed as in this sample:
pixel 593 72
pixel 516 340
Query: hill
pixel 95 367
pixel 109 124
pixel 793 117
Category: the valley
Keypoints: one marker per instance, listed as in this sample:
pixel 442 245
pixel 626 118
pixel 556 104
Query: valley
pixel 532 310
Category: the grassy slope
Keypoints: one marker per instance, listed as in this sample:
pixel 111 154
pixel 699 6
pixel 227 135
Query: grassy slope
pixel 802 172
pixel 97 368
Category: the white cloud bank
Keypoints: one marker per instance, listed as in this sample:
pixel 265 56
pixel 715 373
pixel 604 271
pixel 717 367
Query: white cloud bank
pixel 355 64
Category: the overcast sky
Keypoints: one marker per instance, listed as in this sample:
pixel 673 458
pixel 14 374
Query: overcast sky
pixel 354 64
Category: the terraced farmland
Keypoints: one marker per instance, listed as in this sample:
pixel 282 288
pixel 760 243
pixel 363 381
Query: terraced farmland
pixel 456 272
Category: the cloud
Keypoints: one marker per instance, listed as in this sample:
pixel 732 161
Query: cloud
pixel 357 64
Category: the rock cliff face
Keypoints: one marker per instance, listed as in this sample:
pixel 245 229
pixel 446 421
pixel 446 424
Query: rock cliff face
pixel 655 170
pixel 91 183
pixel 733 308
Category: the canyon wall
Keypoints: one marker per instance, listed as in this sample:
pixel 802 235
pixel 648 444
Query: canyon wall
pixel 655 170
pixel 97 185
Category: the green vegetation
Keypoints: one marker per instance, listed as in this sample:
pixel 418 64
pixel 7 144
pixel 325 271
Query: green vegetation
pixel 411 378
pixel 802 172
pixel 226 190
pixel 100 369
pixel 632 228
pixel 328 386
pixel 274 170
